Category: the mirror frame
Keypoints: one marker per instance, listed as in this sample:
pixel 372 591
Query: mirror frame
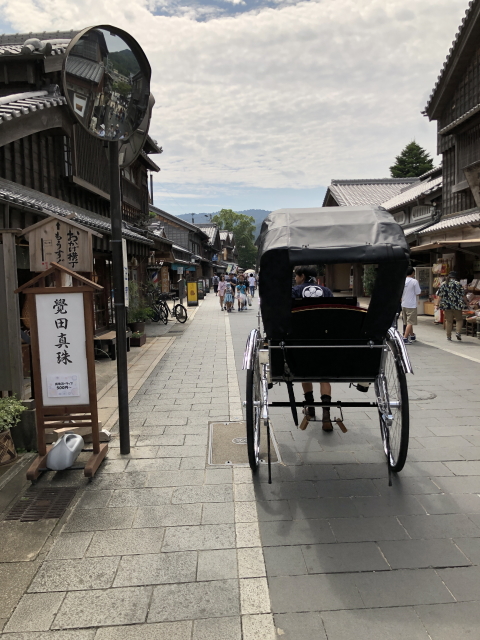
pixel 136 50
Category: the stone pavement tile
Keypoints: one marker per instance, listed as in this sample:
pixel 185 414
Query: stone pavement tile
pixel 251 563
pixel 205 536
pixel 141 497
pixel 448 621
pixel 361 470
pixel 297 474
pixel 272 509
pixel 470 547
pixel 35 612
pixel 22 541
pixel 258 627
pixel 70 545
pixel 168 515
pixel 124 542
pixel 369 457
pixel 345 488
pixel 16 576
pixel 400 588
pixel 189 601
pixel 217 629
pixel 218 513
pixel 151 440
pixel 135 452
pixel 388 505
pixel 157 631
pixel 218 476
pixel 71 634
pixel 443 442
pixel 323 508
pixel 408 486
pixel 434 455
pixel 285 561
pixel 154 421
pixel 100 519
pixel 328 457
pixel 454 503
pixel 254 596
pixel 247 511
pixel 440 526
pixel 300 626
pixel 75 575
pixel 97 608
pixel 418 554
pixel 374 624
pixel 120 481
pixel 247 534
pixel 220 564
pixel 367 529
pixel 286 490
pixel 113 466
pixel 428 469
pixel 158 568
pixel 285 532
pixel 463 582
pixel 471 468
pixel 244 493
pixel 183 451
pixel 199 439
pixel 205 493
pixel 343 558
pixel 94 500
pixel 459 484
pixel 153 464
pixel 192 463
pixel 175 478
pixel 291 594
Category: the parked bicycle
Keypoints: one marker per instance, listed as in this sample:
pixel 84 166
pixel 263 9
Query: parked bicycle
pixel 162 312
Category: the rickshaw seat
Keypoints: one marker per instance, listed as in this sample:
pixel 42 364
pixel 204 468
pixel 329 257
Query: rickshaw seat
pixel 330 320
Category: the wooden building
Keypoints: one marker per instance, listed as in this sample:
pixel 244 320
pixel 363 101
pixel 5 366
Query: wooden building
pixel 48 163
pixel 455 105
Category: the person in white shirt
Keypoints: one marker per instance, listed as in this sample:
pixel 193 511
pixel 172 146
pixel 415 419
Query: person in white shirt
pixel 251 283
pixel 409 304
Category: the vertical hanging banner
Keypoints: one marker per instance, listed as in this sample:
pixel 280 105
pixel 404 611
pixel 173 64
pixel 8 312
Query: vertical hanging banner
pixel 192 294
pixel 125 269
pixel 61 341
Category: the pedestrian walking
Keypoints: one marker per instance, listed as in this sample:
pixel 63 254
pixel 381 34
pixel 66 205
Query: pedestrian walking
pixel 229 299
pixel 409 304
pixel 215 282
pixel 241 293
pixel 222 286
pixel 252 284
pixel 452 301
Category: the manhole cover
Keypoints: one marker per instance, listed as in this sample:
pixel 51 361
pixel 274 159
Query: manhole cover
pixel 420 394
pixel 41 504
pixel 228 444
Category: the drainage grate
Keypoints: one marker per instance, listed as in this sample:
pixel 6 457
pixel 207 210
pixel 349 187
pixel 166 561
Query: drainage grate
pixel 41 504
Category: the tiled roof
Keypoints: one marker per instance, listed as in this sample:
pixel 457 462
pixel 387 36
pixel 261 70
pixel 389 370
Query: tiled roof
pixel 411 230
pixel 358 192
pixel 419 189
pixel 41 202
pixel 451 51
pixel 209 229
pixel 46 43
pixel 224 234
pixel 472 217
pixel 85 69
pixel 468 114
pixel 21 104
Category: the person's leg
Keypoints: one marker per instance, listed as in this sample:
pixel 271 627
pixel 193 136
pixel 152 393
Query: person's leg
pixel 308 393
pixel 458 323
pixel 220 297
pixel 326 396
pixel 448 313
pixel 408 331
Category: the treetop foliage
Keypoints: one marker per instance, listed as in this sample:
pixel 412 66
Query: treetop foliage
pixel 412 162
pixel 243 228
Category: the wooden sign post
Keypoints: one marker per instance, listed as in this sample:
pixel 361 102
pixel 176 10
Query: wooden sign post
pixel 63 359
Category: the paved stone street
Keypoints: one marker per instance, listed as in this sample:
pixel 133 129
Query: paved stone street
pixel 160 545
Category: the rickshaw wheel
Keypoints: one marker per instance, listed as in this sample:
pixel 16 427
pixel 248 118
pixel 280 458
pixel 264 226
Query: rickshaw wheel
pixel 395 396
pixel 253 412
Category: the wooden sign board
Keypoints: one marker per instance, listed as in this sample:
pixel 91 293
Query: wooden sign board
pixel 60 241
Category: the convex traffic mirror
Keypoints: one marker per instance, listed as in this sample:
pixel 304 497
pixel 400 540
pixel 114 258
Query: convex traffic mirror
pixel 106 79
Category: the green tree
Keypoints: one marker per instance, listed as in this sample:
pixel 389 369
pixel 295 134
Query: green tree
pixel 412 162
pixel 243 228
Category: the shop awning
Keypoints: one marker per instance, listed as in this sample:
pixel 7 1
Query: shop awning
pixel 445 243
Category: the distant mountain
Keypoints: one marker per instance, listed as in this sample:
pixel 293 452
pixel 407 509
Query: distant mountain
pixel 258 214
pixel 125 62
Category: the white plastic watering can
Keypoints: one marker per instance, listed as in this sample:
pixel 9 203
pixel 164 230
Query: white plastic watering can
pixel 64 452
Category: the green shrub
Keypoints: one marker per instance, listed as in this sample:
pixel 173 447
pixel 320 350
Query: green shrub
pixel 11 410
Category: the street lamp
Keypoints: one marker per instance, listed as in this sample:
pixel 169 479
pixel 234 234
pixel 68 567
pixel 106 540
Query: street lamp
pixel 109 95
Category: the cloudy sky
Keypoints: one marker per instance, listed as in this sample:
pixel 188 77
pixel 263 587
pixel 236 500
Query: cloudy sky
pixel 260 103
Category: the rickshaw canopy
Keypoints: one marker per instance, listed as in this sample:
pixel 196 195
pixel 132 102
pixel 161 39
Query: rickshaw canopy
pixel 331 235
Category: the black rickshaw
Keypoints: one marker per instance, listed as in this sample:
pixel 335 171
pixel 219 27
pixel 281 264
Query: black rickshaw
pixel 330 339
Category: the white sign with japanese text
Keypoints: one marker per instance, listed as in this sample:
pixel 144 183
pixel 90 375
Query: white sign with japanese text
pixel 63 357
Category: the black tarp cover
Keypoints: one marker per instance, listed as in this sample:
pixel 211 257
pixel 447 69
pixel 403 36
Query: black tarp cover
pixel 328 235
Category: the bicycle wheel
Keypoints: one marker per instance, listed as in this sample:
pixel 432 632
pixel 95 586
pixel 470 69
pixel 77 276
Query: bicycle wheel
pixel 180 313
pixel 156 313
pixel 253 412
pixel 392 395
pixel 164 313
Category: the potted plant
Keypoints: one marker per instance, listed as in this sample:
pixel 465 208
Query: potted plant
pixel 138 339
pixel 138 310
pixel 10 411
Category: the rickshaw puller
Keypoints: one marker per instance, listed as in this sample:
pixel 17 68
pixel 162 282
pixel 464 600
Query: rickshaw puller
pixel 306 287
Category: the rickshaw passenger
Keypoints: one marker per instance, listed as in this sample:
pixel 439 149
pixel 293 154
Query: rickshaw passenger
pixel 306 287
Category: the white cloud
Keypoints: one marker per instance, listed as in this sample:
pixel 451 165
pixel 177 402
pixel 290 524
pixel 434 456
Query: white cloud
pixel 290 96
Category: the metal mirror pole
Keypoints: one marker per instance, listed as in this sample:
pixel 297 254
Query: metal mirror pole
pixel 119 296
